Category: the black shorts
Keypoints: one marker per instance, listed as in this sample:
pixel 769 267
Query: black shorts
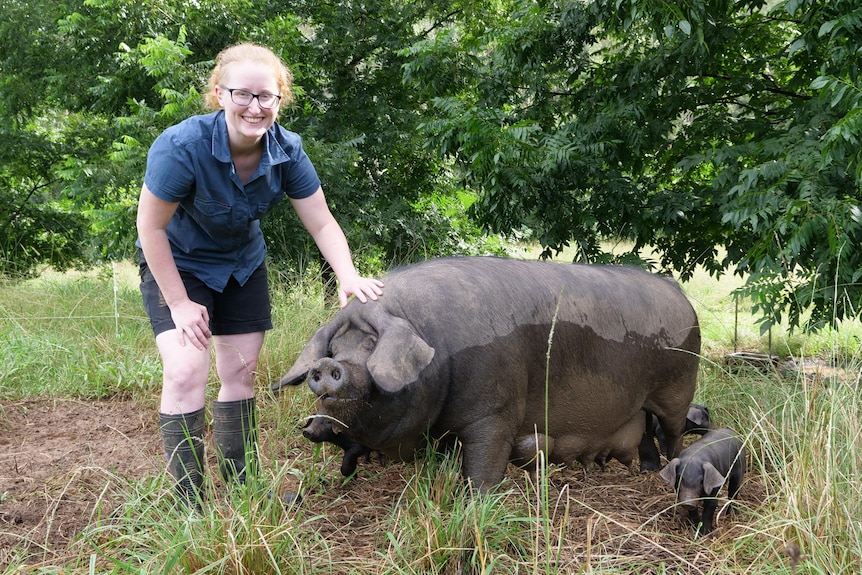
pixel 238 309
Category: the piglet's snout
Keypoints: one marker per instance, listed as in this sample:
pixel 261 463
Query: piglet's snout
pixel 314 430
pixel 326 377
pixel 689 497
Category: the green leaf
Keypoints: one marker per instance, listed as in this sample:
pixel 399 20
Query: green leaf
pixel 685 26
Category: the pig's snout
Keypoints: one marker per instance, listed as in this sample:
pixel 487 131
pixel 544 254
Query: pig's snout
pixel 688 498
pixel 326 377
pixel 315 430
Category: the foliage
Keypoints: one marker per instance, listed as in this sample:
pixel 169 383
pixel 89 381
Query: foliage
pixel 724 135
pixel 127 70
pixel 36 226
pixel 688 127
pixel 74 75
pixel 359 125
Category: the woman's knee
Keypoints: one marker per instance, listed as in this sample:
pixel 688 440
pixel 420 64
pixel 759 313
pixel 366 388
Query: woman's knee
pixel 184 377
pixel 234 372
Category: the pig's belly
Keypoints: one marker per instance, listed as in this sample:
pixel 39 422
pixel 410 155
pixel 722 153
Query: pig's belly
pixel 566 449
pixel 570 448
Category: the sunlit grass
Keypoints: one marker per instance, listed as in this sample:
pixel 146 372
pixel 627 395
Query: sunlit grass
pixel 76 334
pixel 809 446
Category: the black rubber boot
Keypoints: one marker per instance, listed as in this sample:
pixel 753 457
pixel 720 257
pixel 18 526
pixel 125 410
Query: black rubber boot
pixel 235 434
pixel 183 438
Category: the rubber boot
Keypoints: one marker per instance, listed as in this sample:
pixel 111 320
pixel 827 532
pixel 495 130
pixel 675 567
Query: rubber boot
pixel 235 434
pixel 183 439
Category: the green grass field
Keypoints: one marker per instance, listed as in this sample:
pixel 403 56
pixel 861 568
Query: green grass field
pixel 84 335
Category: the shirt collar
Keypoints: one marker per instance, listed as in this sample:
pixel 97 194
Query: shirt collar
pixel 272 150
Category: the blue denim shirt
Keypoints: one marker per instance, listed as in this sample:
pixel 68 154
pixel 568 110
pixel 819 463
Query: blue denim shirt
pixel 215 232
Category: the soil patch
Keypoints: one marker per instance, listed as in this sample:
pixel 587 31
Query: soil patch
pixel 58 457
pixel 64 461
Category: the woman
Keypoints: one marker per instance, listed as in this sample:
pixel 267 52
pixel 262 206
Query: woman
pixel 209 180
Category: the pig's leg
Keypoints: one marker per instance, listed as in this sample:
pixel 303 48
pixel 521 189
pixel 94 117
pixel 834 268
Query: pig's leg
pixel 673 429
pixel 485 454
pixel 734 482
pixel 709 506
pixel 352 453
pixel 650 460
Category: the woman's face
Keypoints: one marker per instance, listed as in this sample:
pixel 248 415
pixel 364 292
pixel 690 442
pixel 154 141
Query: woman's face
pixel 248 123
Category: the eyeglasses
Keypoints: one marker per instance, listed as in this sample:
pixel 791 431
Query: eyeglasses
pixel 244 98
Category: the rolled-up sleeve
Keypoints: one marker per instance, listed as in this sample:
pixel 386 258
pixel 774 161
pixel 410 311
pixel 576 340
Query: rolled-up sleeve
pixel 169 174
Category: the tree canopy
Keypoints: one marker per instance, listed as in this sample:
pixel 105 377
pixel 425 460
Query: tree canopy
pixel 714 133
pixel 723 134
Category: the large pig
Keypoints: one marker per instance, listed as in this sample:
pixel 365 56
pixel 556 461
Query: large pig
pixel 507 356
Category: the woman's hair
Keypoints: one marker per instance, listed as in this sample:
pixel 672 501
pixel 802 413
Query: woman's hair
pixel 242 53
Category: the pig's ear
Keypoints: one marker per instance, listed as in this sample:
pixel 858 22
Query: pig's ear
pixel 399 356
pixel 316 348
pixel 699 416
pixel 668 472
pixel 712 479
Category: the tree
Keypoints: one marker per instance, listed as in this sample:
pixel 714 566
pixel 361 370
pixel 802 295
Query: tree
pixel 722 134
pixel 359 124
pixel 36 224
pixel 86 85
pixel 112 74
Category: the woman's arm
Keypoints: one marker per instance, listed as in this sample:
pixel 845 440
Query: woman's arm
pixel 329 237
pixel 190 318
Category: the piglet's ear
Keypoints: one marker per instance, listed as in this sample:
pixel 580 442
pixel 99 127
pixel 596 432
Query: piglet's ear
pixel 399 356
pixel 712 479
pixel 668 472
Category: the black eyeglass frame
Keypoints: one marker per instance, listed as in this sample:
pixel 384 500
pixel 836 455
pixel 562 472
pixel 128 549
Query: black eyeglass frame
pixel 253 96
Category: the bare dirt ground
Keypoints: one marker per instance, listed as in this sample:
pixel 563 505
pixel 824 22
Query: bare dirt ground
pixel 59 457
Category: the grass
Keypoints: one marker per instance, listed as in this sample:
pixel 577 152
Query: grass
pixel 72 335
pixel 84 335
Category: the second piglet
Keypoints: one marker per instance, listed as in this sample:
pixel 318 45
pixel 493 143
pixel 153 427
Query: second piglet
pixel 701 469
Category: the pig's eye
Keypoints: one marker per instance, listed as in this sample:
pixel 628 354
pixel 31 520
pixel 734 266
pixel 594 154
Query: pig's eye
pixel 368 343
